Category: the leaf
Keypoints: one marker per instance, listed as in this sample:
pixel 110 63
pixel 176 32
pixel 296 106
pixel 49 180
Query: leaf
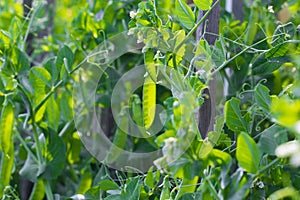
pixel 65 57
pixel 233 117
pixel 262 97
pixel 53 114
pixel 108 185
pixel 149 101
pixel 42 75
pixel 6 128
pixel 20 61
pixel 271 138
pixel 203 4
pixel 187 186
pixel 86 181
pixel 247 153
pixel 283 33
pixel 55 157
pixel 185 14
pixel 165 193
pixel 149 180
pixel 132 189
pixel 150 64
pixel 264 65
pixel 74 149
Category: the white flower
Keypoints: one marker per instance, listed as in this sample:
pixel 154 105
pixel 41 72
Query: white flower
pixel 295 159
pixel 288 149
pixel 132 14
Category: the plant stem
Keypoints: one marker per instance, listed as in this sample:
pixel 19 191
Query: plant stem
pixel 25 146
pixel 269 165
pixel 48 190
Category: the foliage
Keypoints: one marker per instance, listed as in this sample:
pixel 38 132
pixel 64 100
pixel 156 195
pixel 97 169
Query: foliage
pixel 253 152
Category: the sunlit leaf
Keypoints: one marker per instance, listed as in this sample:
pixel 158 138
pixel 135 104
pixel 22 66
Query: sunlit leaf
pixel 85 182
pixel 185 14
pixel 53 113
pixel 233 116
pixel 203 4
pixel 247 153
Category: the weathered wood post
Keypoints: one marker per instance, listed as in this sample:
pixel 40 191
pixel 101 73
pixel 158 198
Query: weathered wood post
pixel 208 109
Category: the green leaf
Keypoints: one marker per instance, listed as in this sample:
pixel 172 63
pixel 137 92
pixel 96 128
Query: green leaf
pixel 132 189
pixel 65 57
pixel 149 101
pixel 187 186
pixel 262 97
pixel 264 65
pixel 233 116
pixel 74 149
pixel 203 4
pixel 42 75
pixel 54 156
pixel 185 14
pixel 108 185
pixel 20 60
pixel 283 33
pixel 6 128
pixel 86 181
pixel 247 153
pixel 53 114
pixel 271 138
pixel 150 179
pixel 165 194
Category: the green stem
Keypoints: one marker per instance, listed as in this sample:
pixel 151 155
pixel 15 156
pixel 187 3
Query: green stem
pixel 48 190
pixel 269 165
pixel 34 128
pixel 26 147
pixel 202 19
pixel 196 25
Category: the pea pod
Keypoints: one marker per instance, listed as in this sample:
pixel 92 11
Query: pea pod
pixel 252 27
pixel 7 162
pixel 6 127
pixel 119 141
pixel 38 192
pixel 149 101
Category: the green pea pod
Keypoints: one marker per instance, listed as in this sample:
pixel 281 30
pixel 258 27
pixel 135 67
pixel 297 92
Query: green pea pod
pixel 38 192
pixel 7 162
pixel 118 142
pixel 149 101
pixel 137 116
pixel 252 27
pixel 6 127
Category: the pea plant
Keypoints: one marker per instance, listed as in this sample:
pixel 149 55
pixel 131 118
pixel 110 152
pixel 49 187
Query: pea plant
pixel 140 69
